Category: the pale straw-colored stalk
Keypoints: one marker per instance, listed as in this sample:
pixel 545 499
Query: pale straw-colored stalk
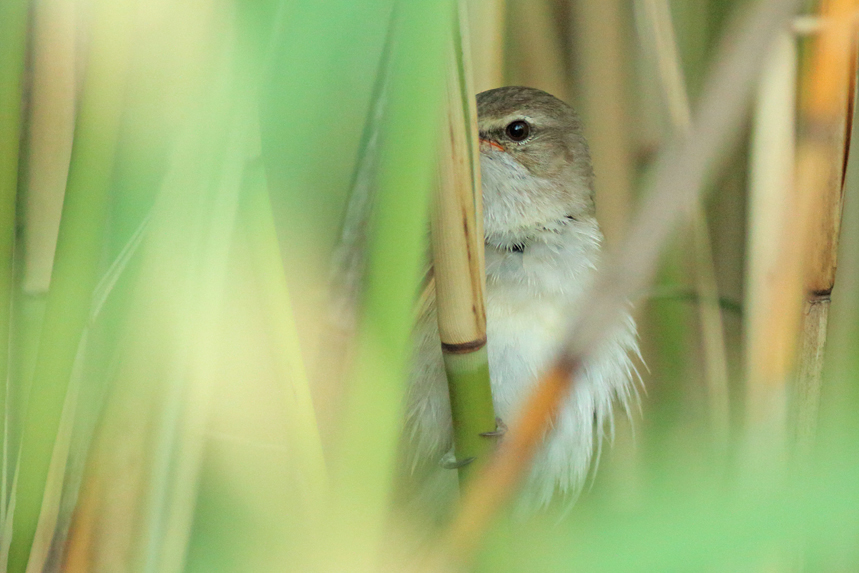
pixel 601 48
pixel 536 47
pixel 680 177
pixel 49 136
pixel 458 265
pixel 771 191
pixel 486 34
pixel 658 36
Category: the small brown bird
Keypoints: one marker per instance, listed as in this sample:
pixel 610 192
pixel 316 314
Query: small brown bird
pixel 542 248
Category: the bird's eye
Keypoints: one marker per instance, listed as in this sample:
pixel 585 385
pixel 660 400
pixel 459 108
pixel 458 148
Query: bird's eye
pixel 518 130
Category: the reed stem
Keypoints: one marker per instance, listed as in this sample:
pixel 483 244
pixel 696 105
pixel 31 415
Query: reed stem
pixel 771 191
pixel 79 248
pixel 827 84
pixel 458 267
pixel 600 46
pixel 13 41
pixel 486 31
pixel 49 138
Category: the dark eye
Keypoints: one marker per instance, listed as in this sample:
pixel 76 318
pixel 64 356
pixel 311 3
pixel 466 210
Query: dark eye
pixel 518 130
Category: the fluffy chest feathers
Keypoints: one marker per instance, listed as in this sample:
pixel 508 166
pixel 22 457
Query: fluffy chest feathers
pixel 530 298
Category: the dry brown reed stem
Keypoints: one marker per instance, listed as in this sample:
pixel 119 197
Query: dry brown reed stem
pixel 458 267
pixel 656 15
pixel 602 54
pixel 49 138
pixel 825 120
pixel 486 31
pixel 679 179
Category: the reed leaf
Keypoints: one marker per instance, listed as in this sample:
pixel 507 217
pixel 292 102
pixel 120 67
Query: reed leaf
pixel 303 432
pixel 363 466
pixel 139 515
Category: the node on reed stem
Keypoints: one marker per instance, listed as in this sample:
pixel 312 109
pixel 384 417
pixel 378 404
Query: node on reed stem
pixel 458 266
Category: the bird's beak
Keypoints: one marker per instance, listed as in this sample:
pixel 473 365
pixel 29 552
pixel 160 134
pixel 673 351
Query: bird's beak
pixel 487 145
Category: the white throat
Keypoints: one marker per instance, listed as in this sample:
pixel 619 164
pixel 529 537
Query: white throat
pixel 516 203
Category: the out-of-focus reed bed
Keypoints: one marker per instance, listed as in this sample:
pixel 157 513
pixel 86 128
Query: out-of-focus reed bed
pixel 215 221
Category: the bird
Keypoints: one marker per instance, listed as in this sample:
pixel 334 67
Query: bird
pixel 543 247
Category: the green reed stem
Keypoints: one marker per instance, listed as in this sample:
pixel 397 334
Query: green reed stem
pixel 13 42
pixel 79 249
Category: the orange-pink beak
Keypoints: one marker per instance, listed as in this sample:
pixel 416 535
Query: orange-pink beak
pixel 487 144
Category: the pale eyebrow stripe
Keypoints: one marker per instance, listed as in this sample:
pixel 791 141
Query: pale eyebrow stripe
pixel 502 124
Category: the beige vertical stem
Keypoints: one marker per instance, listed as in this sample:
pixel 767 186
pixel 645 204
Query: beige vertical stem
pixel 825 122
pixel 486 32
pixel 51 128
pixel 602 53
pixel 771 195
pixel 537 58
pixel 457 241
pixel 802 256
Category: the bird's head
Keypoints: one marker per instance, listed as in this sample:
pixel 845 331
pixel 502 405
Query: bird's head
pixel 535 165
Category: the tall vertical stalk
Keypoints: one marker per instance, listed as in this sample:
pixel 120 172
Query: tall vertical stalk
pixel 458 268
pixel 827 81
pixel 76 264
pixel 49 138
pixel 13 30
pixel 600 48
pixel 536 58
pixel 656 15
pixel 771 190
pixel 486 34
